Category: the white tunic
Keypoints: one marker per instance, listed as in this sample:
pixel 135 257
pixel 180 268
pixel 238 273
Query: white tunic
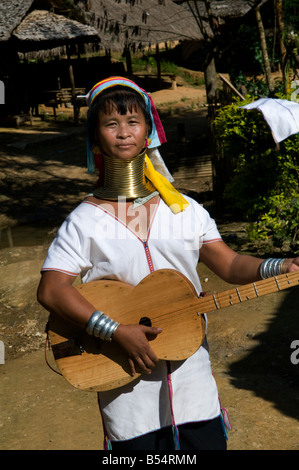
pixel 94 243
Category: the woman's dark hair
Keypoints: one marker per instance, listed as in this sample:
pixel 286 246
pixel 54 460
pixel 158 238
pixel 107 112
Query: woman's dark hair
pixel 121 98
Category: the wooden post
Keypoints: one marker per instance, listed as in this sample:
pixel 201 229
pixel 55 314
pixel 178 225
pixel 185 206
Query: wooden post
pixel 158 65
pixel 129 62
pixel 231 86
pixel 73 88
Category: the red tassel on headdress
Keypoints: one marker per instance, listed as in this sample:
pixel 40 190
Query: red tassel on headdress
pixel 99 164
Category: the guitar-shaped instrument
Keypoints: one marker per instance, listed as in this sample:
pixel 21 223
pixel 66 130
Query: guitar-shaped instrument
pixel 166 299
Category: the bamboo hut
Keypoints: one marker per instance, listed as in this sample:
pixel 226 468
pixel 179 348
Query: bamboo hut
pixel 42 30
pixel 27 32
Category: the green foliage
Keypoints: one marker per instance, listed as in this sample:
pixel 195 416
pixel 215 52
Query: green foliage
pixel 257 86
pixel 264 184
pixel 147 62
pixel 281 223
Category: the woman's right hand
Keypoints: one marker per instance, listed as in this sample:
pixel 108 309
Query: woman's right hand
pixel 56 293
pixel 134 339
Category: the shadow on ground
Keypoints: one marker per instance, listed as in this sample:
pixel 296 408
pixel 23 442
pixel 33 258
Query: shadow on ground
pixel 268 370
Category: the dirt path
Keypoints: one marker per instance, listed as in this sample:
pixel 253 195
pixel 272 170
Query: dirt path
pixel 249 343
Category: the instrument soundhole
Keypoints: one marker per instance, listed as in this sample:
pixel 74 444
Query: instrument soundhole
pixel 145 321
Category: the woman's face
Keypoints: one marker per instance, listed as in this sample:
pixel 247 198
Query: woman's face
pixel 122 135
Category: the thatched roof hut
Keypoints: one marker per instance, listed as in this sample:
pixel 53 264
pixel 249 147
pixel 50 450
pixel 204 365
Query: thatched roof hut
pixel 49 25
pixel 224 10
pixel 27 30
pixel 118 23
pixel 43 33
pixel 122 25
pixel 227 17
pixel 42 29
pixel 33 23
pixel 11 14
pixel 233 8
pixel 23 28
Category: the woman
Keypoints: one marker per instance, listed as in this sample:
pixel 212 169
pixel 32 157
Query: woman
pixel 107 236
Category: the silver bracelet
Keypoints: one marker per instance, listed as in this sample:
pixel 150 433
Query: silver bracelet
pixel 92 321
pixel 271 267
pixel 101 326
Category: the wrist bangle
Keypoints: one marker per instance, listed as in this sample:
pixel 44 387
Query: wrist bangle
pixel 92 321
pixel 271 267
pixel 101 326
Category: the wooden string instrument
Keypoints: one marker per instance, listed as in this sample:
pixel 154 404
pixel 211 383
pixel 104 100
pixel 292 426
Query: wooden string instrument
pixel 165 299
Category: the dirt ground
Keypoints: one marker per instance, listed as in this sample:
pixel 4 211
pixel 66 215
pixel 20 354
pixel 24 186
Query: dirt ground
pixel 43 176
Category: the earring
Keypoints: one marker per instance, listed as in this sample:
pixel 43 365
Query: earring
pixel 147 142
pixel 96 150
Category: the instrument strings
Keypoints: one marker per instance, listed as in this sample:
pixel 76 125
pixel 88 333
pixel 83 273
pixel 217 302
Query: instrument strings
pixel 247 292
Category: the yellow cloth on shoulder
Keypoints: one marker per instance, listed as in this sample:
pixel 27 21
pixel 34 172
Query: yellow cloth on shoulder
pixel 176 202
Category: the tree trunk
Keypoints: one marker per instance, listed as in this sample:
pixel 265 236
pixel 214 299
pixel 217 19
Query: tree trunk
pixel 263 43
pixel 210 74
pixel 282 49
pixel 210 65
pixel 211 47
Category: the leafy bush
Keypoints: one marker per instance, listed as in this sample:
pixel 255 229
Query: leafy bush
pixel 264 183
pixel 257 86
pixel 149 62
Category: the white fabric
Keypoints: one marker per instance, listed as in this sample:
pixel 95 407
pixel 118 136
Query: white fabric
pixel 94 243
pixel 282 116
